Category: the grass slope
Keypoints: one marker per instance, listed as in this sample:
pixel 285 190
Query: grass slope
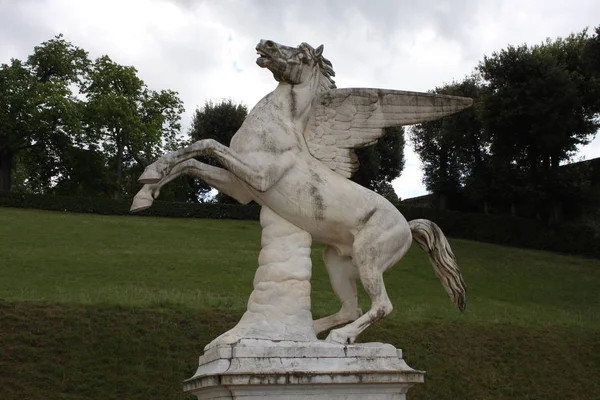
pixel 98 307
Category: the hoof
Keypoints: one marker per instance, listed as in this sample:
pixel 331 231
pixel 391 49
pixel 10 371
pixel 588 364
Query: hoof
pixel 230 337
pixel 150 175
pixel 141 201
pixel 338 336
pixel 149 178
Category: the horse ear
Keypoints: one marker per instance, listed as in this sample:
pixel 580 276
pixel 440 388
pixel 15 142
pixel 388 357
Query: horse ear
pixel 319 51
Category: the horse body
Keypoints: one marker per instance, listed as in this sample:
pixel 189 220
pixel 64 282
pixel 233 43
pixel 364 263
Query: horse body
pixel 308 194
pixel 329 207
pixel 269 161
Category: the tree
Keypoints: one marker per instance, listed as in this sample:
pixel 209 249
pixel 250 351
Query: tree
pixel 381 163
pixel 591 61
pixel 129 121
pixel 84 173
pixel 537 113
pixel 38 112
pixel 78 127
pixel 453 149
pixel 219 121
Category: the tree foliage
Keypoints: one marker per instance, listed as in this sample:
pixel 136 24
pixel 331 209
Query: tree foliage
pixel 381 163
pixel 38 112
pixel 534 107
pixel 219 121
pixel 79 127
pixel 538 111
pixel 130 121
pixel 453 150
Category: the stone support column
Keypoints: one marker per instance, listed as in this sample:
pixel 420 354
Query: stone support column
pixel 279 306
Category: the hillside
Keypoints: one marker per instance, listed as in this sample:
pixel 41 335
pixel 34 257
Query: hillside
pixel 100 307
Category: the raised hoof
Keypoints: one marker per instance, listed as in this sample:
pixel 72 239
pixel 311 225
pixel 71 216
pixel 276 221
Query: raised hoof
pixel 149 179
pixel 150 176
pixel 338 336
pixel 141 201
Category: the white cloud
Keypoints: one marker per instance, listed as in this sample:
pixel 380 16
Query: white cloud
pixel 205 50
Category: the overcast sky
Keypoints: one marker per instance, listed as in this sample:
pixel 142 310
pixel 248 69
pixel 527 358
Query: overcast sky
pixel 205 49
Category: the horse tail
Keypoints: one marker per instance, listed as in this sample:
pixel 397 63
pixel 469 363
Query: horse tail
pixel 430 238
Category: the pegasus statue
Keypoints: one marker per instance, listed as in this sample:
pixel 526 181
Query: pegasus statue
pixel 293 155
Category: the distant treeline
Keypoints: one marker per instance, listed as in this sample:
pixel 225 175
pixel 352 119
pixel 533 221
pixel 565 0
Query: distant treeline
pixel 73 126
pixel 533 107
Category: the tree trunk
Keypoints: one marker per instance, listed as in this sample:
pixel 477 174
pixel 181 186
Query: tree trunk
pixel 6 163
pixel 513 209
pixel 556 206
pixel 486 207
pixel 119 169
pixel 555 211
pixel 443 201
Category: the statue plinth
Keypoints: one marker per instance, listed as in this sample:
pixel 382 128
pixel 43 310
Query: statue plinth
pixel 264 369
pixel 273 351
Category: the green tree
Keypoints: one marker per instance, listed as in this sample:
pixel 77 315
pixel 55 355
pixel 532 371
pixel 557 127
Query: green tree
pixel 84 173
pixel 537 113
pixel 381 163
pixel 130 122
pixel 591 61
pixel 219 121
pixel 453 149
pixel 39 115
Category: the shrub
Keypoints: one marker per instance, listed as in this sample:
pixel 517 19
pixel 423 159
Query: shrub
pixel 121 207
pixel 511 231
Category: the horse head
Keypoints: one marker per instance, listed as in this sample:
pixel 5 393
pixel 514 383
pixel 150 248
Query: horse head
pixel 295 65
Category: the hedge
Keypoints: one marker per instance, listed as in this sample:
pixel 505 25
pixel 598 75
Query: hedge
pixel 499 229
pixel 512 231
pixel 121 207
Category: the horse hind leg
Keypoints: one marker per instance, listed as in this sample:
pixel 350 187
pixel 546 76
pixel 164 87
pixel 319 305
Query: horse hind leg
pixel 381 306
pixel 375 250
pixel 342 275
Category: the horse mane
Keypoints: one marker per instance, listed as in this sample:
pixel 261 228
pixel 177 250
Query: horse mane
pixel 326 81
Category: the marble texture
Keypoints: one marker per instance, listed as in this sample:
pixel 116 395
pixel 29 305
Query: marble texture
pixel 263 369
pixel 279 306
pixel 293 155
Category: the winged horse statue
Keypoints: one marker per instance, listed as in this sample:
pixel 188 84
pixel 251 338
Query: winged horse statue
pixel 294 154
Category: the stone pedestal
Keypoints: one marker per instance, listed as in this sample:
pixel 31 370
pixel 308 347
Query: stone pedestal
pixel 255 369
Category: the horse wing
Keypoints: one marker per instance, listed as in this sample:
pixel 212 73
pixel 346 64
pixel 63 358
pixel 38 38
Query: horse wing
pixel 345 119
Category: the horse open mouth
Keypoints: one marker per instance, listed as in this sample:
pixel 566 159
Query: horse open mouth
pixel 263 58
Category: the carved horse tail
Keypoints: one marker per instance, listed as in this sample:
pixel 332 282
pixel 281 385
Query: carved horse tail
pixel 430 238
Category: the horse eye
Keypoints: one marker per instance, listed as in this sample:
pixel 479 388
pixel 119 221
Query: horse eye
pixel 303 58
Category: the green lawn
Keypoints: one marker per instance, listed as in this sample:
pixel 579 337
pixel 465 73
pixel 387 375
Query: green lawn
pixel 99 307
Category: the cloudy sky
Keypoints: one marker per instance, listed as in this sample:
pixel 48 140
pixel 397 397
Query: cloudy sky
pixel 204 49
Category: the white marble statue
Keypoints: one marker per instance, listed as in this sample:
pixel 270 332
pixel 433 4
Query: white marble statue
pixel 293 155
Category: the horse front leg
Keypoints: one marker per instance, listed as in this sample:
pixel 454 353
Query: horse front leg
pixel 219 178
pixel 260 172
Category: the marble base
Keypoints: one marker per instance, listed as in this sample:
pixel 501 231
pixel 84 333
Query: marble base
pixel 263 369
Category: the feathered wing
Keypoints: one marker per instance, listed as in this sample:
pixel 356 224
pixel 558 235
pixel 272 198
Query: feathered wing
pixel 345 119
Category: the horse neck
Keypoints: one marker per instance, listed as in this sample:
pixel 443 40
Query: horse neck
pixel 297 99
pixel 287 105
